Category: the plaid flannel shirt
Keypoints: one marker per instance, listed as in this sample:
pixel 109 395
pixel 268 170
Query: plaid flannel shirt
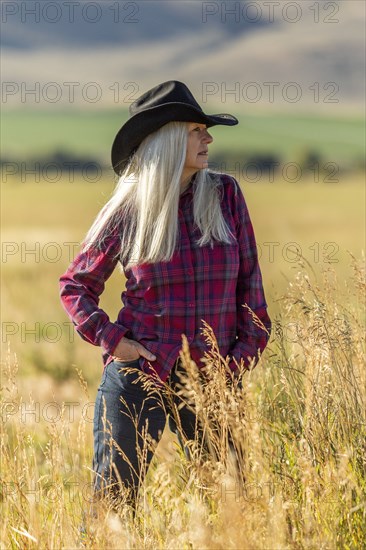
pixel 162 301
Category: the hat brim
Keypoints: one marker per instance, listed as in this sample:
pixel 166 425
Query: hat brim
pixel 139 126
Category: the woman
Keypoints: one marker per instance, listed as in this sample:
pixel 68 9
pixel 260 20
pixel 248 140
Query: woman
pixel 185 240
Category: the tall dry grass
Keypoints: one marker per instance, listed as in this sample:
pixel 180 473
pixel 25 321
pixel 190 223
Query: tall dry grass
pixel 292 477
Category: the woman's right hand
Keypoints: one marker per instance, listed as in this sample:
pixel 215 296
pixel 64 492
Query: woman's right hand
pixel 130 350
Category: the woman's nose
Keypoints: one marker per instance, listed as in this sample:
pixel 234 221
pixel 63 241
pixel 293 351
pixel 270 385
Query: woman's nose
pixel 207 137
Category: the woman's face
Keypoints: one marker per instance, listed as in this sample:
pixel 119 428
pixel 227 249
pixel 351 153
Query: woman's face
pixel 197 149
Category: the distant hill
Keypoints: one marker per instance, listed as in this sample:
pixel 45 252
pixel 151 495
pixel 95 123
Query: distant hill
pixel 108 23
pixel 230 49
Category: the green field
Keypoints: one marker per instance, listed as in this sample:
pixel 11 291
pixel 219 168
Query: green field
pixel 27 134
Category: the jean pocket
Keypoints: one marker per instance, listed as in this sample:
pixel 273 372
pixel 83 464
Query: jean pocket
pixel 130 363
pixel 104 376
pixel 124 373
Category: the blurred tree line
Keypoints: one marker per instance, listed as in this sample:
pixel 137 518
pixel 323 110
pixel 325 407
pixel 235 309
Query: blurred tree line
pixel 251 167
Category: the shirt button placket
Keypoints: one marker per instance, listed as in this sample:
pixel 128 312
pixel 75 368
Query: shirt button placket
pixel 190 284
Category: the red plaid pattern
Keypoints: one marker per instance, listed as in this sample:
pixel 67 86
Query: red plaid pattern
pixel 162 301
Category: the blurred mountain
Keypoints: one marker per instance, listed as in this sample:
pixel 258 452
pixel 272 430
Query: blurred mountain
pixel 111 24
pixel 227 52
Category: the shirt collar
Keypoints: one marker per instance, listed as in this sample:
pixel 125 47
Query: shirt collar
pixel 190 188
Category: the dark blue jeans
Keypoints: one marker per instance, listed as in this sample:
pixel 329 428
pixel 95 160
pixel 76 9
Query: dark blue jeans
pixel 126 414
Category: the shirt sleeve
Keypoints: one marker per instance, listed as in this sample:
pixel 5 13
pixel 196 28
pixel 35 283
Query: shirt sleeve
pixel 253 331
pixel 80 288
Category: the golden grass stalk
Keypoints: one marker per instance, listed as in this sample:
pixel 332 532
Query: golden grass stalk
pixel 281 462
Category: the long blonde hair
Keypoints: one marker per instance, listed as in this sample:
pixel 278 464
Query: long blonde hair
pixel 143 208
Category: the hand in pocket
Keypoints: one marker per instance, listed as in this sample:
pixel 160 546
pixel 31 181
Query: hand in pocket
pixel 130 350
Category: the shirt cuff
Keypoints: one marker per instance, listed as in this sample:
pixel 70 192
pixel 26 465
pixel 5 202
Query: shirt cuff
pixel 240 353
pixel 112 334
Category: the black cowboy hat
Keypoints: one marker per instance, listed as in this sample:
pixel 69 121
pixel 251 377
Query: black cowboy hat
pixel 167 102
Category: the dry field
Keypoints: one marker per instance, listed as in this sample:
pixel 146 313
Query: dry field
pixel 295 477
